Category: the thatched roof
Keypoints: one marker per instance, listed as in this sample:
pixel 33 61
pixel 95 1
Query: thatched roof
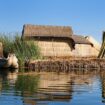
pixel 46 31
pixel 53 31
pixel 80 39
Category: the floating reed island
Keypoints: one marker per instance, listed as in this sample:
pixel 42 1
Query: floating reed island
pixel 61 42
pixel 66 65
pixel 66 50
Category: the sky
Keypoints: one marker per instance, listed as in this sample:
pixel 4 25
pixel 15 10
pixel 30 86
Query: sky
pixel 86 17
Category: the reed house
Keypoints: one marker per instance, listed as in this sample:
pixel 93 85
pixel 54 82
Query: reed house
pixel 59 41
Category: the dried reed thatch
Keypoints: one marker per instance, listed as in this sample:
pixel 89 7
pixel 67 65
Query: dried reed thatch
pixel 53 31
pixel 38 30
pixel 80 39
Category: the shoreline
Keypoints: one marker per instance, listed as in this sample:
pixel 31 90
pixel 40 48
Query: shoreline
pixel 66 65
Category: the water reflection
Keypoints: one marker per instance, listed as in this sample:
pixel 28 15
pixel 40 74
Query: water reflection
pixel 50 87
pixel 102 75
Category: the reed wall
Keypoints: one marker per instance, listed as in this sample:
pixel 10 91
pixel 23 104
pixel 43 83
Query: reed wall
pixel 65 48
pixel 55 48
pixel 84 50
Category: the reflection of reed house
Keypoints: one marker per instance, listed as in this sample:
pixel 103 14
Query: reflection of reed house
pixel 60 41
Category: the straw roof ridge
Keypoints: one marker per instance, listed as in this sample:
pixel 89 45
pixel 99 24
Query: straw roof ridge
pixel 45 25
pixel 47 30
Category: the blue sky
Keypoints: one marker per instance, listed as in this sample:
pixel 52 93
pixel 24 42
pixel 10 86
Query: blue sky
pixel 86 17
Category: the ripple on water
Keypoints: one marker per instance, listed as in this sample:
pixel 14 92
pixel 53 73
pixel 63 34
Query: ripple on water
pixel 52 88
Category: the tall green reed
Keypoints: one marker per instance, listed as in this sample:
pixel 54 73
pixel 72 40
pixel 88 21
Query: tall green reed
pixel 23 50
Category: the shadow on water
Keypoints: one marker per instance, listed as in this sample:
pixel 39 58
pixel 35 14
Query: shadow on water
pixel 43 88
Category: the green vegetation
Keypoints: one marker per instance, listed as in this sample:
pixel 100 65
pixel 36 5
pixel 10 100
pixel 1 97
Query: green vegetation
pixel 27 83
pixel 22 49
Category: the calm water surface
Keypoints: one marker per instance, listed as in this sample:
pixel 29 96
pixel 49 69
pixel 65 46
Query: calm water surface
pixel 49 88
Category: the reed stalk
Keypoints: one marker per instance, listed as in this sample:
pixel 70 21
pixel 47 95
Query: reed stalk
pixel 22 49
pixel 102 51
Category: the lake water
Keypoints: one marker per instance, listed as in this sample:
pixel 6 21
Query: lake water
pixel 49 88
